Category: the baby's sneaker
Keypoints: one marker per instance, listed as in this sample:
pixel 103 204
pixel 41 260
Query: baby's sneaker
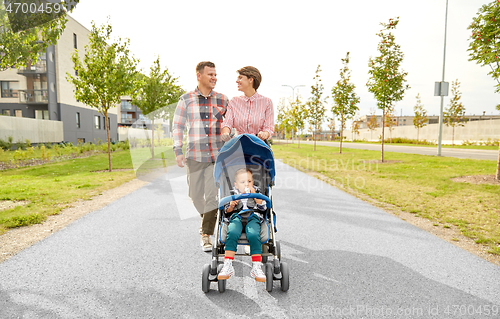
pixel 227 270
pixel 257 272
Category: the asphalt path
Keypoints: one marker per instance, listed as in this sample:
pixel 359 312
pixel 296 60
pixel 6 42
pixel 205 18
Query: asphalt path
pixel 140 257
pixel 421 150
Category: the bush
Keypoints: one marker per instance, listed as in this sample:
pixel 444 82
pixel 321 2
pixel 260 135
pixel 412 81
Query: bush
pixel 6 145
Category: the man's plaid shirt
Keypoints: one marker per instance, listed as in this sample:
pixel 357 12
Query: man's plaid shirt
pixel 202 116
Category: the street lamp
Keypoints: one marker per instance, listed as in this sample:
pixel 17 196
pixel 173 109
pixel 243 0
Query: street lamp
pixel 441 89
pixel 293 90
pixel 293 95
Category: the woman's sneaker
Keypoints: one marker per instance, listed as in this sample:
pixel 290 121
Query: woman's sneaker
pixel 257 272
pixel 227 270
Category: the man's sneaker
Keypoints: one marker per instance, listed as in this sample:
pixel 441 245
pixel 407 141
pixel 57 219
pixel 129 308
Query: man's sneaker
pixel 205 242
pixel 257 272
pixel 226 271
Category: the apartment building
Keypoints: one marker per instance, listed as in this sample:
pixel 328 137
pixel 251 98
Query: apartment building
pixel 41 91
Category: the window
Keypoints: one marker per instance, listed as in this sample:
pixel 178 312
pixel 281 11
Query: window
pixel 6 112
pixel 81 140
pixel 97 122
pixel 42 114
pixel 77 119
pixel 10 89
pixel 75 41
pixel 19 113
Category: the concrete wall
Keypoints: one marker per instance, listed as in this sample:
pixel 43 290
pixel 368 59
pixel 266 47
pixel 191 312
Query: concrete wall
pixel 37 131
pixel 472 131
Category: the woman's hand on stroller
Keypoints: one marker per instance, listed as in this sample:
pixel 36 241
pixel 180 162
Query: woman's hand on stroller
pixel 263 135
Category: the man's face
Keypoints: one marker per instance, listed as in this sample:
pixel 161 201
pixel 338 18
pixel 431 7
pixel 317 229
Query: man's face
pixel 243 180
pixel 207 78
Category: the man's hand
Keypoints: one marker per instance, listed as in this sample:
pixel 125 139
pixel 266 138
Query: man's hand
pixel 225 134
pixel 263 135
pixel 181 160
pixel 225 137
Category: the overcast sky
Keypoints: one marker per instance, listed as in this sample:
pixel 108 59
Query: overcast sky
pixel 286 40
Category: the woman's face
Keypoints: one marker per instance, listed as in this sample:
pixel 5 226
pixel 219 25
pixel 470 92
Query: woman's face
pixel 244 83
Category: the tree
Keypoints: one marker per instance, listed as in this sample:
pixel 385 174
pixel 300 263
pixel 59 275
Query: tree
pixel 298 114
pixel 106 73
pixel 372 124
pixel 485 46
pixel 345 99
pixel 24 36
pixel 387 78
pixel 355 127
pixel 454 115
pixel 282 117
pixel 390 121
pixel 154 93
pixel 420 118
pixel 315 106
pixel 331 126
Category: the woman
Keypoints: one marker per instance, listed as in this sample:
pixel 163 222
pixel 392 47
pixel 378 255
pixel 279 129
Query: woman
pixel 250 113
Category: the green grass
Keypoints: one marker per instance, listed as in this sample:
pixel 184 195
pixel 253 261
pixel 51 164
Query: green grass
pixel 475 147
pixel 417 184
pixel 49 188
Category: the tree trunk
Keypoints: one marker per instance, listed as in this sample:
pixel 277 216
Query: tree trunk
pixel 418 130
pixel 153 138
pixel 109 143
pixel 498 164
pixel 453 137
pixel 341 136
pixel 383 129
pixel 314 139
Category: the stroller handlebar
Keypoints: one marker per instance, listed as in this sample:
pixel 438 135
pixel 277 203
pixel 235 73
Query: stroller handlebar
pixel 227 199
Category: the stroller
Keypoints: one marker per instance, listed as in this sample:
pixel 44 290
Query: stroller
pixel 246 151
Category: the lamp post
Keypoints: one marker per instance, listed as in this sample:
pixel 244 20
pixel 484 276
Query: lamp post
pixel 293 96
pixel 443 88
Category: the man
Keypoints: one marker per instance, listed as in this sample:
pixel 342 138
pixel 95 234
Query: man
pixel 201 111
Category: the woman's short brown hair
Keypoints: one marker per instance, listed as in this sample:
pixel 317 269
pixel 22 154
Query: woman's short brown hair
pixel 251 72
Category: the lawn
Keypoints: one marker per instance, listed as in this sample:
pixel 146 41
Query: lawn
pixel 48 188
pixel 418 184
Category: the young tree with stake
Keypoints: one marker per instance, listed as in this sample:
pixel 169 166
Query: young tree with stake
pixel 316 108
pixel 454 115
pixel 155 93
pixel 105 75
pixel 387 79
pixel 345 99
pixel 420 118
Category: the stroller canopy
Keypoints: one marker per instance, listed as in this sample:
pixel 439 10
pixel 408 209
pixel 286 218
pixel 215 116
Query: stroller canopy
pixel 244 149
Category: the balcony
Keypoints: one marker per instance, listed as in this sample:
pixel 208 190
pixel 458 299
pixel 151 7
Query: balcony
pixel 40 67
pixel 33 96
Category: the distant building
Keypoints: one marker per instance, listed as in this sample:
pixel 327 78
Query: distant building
pixel 41 91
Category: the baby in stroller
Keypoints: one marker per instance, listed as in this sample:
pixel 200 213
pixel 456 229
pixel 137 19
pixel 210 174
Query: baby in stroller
pixel 238 212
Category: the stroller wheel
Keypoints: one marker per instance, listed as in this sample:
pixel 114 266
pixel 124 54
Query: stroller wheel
pixel 285 275
pixel 205 282
pixel 269 277
pixel 221 284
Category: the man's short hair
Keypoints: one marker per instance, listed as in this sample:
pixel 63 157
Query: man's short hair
pixel 251 72
pixel 201 66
